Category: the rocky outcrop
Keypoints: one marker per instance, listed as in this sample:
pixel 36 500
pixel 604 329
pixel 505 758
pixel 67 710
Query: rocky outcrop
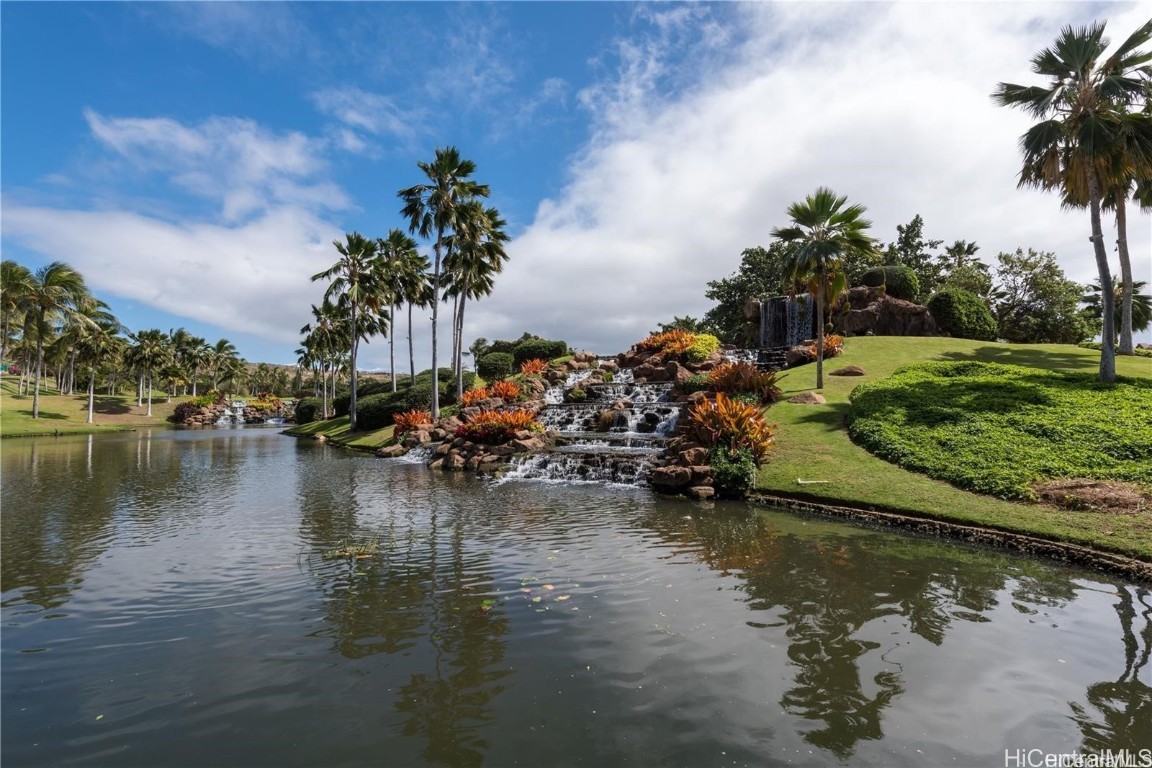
pixel 848 370
pixel 865 311
pixel 808 398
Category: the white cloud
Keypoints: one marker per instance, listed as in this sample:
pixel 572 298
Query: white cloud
pixel 252 278
pixel 234 161
pixel 888 104
pixel 370 112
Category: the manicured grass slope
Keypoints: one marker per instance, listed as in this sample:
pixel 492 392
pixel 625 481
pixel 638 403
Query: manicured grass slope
pixel 812 443
pixel 336 430
pixel 67 414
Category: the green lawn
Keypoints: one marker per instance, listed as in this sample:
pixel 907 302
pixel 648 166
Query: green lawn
pixel 337 431
pixel 812 443
pixel 67 414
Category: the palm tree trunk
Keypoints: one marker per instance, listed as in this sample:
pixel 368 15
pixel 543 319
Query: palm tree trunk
pixel 392 345
pixel 1125 274
pixel 455 334
pixel 39 366
pixel 91 393
pixel 820 332
pixel 435 318
pixel 352 400
pixel 195 372
pixel 149 394
pixel 411 353
pixel 460 343
pixel 1107 296
pixel 140 391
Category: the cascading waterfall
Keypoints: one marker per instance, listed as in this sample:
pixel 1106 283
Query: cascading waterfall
pixel 233 413
pixel 785 322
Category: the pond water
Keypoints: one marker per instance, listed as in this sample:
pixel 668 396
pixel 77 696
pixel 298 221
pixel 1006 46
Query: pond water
pixel 241 598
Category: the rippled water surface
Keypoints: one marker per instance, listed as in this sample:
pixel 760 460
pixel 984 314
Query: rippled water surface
pixel 237 597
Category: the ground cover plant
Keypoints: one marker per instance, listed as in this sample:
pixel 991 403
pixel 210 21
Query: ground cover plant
pixel 1001 429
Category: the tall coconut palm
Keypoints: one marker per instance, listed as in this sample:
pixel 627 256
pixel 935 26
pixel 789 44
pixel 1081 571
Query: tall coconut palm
pixel 15 285
pixel 324 339
pixel 399 257
pixel 476 255
pixel 1084 119
pixel 434 208
pixel 824 229
pixel 98 345
pixel 355 278
pixel 150 352
pixel 53 293
pixel 220 359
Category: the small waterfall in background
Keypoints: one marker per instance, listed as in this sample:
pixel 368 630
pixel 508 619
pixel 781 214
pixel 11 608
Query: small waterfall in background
pixel 233 413
pixel 786 322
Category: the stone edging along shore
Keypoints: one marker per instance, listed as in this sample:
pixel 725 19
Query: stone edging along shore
pixel 1078 554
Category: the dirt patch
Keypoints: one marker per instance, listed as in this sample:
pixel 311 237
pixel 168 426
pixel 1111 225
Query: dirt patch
pixel 1105 496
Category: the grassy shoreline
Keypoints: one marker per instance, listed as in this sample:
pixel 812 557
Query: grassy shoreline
pixel 68 414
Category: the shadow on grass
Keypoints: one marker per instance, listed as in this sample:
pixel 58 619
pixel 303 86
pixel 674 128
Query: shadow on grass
pixel 45 415
pixel 108 405
pixel 1067 362
pixel 832 416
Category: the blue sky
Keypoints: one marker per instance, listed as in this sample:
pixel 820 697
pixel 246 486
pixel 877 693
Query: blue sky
pixel 195 160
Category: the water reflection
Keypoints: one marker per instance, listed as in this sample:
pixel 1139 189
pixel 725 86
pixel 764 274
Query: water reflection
pixel 391 554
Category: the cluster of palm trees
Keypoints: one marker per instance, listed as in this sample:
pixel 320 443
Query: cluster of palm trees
pixel 372 279
pixel 52 323
pixel 1093 145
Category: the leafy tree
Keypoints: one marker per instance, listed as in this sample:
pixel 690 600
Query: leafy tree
pixel 99 345
pixel 914 251
pixel 434 208
pixel 1141 303
pixel 356 280
pixel 1084 127
pixel 15 285
pixel 824 227
pixel 686 323
pixel 1038 304
pixel 151 351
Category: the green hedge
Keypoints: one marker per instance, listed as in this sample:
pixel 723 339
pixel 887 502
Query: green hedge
pixel 308 410
pixel 962 314
pixel 998 429
pixel 542 349
pixel 495 365
pixel 899 282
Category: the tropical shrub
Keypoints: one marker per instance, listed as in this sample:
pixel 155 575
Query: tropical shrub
pixel 742 376
pixel 899 281
pixel 308 410
pixel 406 421
pixel 544 349
pixel 999 429
pixel 508 391
pixel 703 345
pixel 493 427
pixel 1096 346
pixel 731 425
pixel 733 472
pixel 674 342
pixel 962 314
pixel 495 365
pixel 375 411
pixel 534 367
pixel 183 411
pixel 473 396
pixel 833 346
pixel 697 382
pixel 209 398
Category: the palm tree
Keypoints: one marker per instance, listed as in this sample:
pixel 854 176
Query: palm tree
pixel 356 280
pixel 220 359
pixel 399 255
pixel 15 285
pixel 324 339
pixel 1140 303
pixel 99 345
pixel 434 207
pixel 1083 125
pixel 475 254
pixel 54 292
pixel 150 352
pixel 824 229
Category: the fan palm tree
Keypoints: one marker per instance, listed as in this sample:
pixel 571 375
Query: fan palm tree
pixel 1141 303
pixel 220 359
pixel 53 293
pixel 356 280
pixel 1084 125
pixel 15 285
pixel 824 229
pixel 399 257
pixel 434 208
pixel 475 255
